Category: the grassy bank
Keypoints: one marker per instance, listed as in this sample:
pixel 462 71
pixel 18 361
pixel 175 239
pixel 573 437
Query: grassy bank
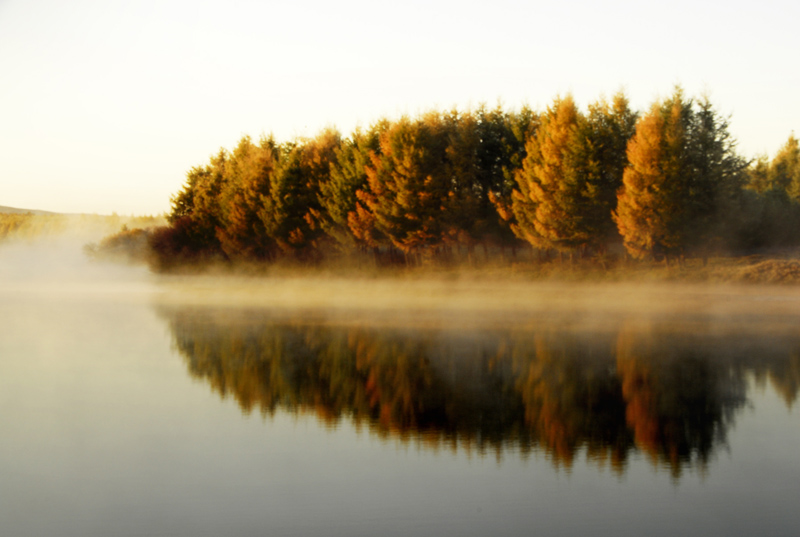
pixel 774 268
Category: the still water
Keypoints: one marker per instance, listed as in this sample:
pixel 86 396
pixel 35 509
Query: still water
pixel 132 407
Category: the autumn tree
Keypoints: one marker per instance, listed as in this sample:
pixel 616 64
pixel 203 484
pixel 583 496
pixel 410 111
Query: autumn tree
pixel 195 217
pixel 406 187
pixel 547 204
pixel 473 155
pixel 542 179
pixel 649 207
pixel 520 127
pixel 682 173
pixel 337 194
pixel 784 171
pixel 249 171
pixel 291 211
pixel 781 174
pixel 572 169
pixel 445 182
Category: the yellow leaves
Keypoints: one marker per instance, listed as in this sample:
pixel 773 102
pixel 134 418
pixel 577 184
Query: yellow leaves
pixel 647 208
pixel 645 149
pixel 552 203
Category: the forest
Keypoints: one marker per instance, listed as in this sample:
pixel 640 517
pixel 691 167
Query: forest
pixel 465 187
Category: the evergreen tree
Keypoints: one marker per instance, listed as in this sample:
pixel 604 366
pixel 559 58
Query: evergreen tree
pixel 608 128
pixel 683 176
pixel 771 215
pixel 248 173
pixel 464 178
pixel 516 130
pixel 406 187
pixel 758 178
pixel 196 209
pixel 337 196
pixel 717 178
pixel 785 169
pixel 290 213
pixel 502 138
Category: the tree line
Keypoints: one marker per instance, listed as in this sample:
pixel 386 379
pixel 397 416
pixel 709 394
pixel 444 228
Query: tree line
pixel 662 184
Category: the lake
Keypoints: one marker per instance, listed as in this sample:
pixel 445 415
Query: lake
pixel 143 405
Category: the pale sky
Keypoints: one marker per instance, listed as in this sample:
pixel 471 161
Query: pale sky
pixel 105 105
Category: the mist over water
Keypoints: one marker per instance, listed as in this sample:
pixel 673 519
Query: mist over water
pixel 57 266
pixel 197 405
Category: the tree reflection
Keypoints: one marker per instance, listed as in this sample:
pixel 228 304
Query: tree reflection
pixel 571 396
pixel 784 376
pixel 679 399
pixel 670 394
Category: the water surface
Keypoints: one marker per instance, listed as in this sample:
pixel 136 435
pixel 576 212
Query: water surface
pixel 141 406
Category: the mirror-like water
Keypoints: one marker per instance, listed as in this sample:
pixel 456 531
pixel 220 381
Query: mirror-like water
pixel 128 411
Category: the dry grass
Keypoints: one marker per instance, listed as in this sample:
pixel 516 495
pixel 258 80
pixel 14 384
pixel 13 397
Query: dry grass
pixel 782 271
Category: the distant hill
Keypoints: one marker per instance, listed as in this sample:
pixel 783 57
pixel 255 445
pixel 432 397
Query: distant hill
pixel 12 210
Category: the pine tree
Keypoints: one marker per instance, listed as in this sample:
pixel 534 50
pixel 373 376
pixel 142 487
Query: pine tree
pixel 464 176
pixel 196 209
pixel 785 169
pixel 291 211
pixel 406 187
pixel 608 128
pixel 248 173
pixel 758 178
pixel 509 134
pixel 337 195
pixel 770 210
pixel 717 178
pixel 682 178
pixel 500 152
